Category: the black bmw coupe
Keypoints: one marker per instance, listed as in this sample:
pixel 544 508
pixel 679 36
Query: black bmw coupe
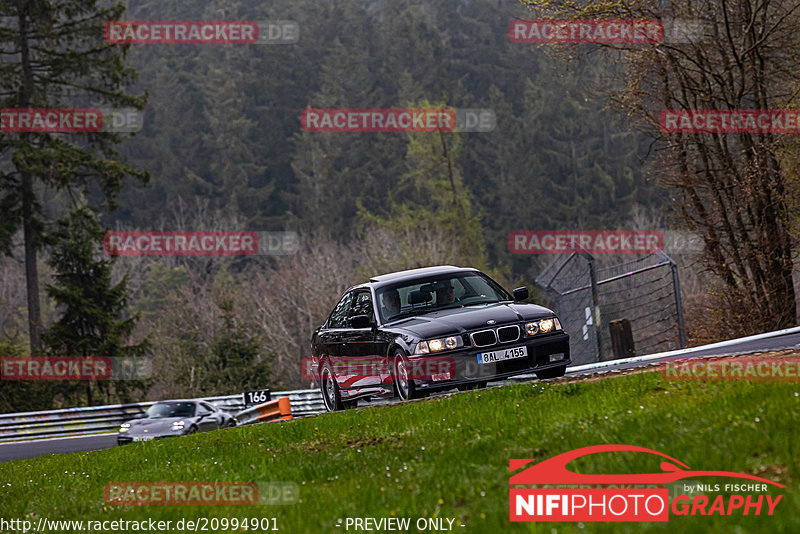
pixel 414 332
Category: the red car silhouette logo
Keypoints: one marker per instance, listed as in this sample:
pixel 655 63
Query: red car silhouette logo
pixel 554 471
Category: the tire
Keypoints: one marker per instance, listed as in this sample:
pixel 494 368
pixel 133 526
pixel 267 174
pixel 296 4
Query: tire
pixel 404 385
pixel 555 372
pixel 192 430
pixel 231 424
pixel 330 389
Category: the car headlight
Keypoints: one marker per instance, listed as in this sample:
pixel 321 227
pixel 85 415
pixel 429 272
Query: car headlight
pixel 436 345
pixel 544 326
pixel 439 344
pixel 124 427
pixel 177 425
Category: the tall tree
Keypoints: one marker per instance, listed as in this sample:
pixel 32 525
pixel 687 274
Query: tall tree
pixel 210 343
pixel 54 55
pixel 23 395
pixel 730 186
pixel 94 319
pixel 432 194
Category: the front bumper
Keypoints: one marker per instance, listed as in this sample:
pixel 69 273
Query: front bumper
pixel 454 368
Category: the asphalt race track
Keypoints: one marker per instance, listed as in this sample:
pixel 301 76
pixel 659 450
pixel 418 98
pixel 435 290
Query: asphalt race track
pixel 30 449
pixel 785 341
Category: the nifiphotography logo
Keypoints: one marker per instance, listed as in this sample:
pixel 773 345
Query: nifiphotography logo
pixel 628 497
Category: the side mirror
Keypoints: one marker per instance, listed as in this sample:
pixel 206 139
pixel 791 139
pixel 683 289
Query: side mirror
pixel 360 321
pixel 521 293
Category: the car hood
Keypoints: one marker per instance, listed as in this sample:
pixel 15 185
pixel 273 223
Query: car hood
pixel 155 426
pixel 459 320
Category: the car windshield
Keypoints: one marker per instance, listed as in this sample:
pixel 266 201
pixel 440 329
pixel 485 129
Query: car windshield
pixel 170 409
pixel 438 292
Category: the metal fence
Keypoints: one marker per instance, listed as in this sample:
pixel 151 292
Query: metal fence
pixel 644 290
pixel 96 419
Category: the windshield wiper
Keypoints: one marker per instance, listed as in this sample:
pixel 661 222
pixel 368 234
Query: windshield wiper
pixel 450 306
pixel 404 315
pixel 483 302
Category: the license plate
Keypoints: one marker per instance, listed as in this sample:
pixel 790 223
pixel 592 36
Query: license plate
pixel 502 355
pixel 142 438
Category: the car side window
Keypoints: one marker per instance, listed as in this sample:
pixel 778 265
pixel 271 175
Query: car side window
pixel 201 409
pixel 338 318
pixel 208 407
pixel 362 305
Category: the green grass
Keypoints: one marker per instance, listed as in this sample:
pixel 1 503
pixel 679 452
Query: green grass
pixel 445 457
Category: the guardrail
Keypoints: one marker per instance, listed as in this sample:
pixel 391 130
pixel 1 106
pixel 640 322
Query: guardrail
pixel 277 410
pixel 99 419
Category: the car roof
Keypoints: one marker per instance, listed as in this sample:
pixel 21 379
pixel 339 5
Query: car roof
pixel 411 274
